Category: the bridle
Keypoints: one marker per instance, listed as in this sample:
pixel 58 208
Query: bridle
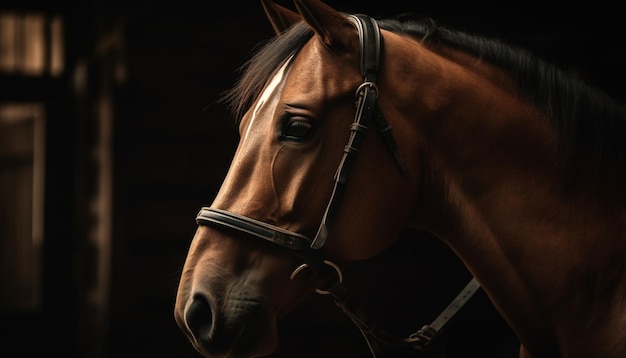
pixel 309 249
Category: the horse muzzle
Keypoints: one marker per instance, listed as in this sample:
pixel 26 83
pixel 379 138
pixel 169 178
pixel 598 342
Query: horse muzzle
pixel 236 325
pixel 221 304
pixel 233 291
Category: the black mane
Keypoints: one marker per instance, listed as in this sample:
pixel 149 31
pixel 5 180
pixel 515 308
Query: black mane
pixel 587 120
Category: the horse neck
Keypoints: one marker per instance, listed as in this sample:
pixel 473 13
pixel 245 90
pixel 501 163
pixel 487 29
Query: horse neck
pixel 490 186
pixel 476 143
pixel 489 160
pixel 473 140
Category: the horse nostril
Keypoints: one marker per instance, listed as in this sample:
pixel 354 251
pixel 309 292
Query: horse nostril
pixel 199 317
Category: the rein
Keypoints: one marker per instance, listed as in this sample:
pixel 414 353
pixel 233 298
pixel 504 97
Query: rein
pixel 309 249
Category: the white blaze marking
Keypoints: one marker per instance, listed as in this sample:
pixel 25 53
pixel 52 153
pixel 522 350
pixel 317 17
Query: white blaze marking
pixel 272 89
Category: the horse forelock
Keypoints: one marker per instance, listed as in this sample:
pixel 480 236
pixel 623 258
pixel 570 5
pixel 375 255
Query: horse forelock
pixel 259 69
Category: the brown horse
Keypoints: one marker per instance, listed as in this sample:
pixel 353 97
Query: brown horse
pixel 518 168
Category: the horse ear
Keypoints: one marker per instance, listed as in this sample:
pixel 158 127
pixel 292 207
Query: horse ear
pixel 280 17
pixel 329 24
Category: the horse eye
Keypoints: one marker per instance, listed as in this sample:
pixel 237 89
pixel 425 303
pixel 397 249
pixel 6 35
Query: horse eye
pixel 296 129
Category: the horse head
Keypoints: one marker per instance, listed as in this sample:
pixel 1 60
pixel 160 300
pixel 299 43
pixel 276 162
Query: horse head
pixel 284 186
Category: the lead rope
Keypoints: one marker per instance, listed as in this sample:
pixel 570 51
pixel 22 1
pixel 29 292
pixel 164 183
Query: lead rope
pixel 419 340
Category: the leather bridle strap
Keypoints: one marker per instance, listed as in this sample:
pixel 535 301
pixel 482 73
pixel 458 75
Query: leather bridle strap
pixel 370 38
pixel 367 110
pixel 272 233
pixel 371 46
pixel 309 250
pixel 419 340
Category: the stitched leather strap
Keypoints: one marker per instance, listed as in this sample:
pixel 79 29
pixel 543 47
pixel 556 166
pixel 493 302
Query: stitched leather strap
pixel 274 234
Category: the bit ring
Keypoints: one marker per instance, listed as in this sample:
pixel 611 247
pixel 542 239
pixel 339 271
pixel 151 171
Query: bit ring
pixel 329 263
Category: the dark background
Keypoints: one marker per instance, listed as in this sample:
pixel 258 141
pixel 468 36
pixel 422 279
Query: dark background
pixel 161 66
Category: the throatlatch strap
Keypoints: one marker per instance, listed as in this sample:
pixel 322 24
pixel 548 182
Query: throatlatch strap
pixel 420 340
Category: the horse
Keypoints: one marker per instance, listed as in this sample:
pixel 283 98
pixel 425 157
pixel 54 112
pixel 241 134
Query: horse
pixel 514 164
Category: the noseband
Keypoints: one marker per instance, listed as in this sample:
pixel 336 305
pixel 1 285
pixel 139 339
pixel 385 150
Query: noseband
pixel 309 249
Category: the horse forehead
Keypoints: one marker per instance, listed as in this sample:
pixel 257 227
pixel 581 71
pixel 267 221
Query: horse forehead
pixel 317 70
